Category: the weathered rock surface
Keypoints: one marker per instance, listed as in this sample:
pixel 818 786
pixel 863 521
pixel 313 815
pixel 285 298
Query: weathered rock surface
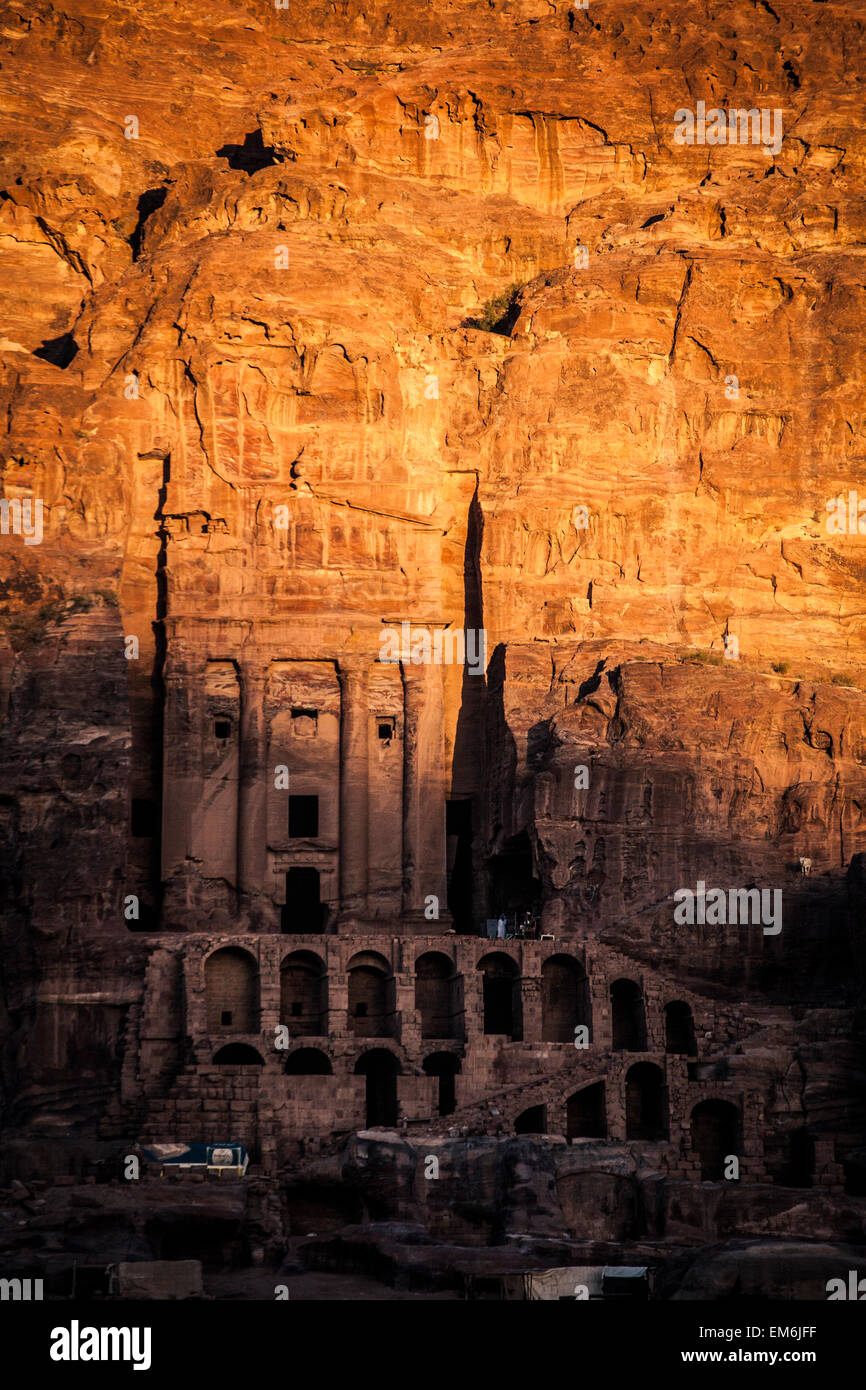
pixel 273 297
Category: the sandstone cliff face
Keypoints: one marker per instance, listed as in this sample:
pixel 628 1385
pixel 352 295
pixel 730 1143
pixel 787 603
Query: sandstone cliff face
pixel 248 365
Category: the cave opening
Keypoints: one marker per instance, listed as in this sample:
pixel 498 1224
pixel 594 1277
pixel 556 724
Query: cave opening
pixel 514 889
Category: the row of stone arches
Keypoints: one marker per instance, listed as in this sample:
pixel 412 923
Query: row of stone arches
pixel 231 987
pixel 380 1066
pixel 716 1125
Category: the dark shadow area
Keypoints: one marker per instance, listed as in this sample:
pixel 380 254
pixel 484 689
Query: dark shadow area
pixel 591 684
pixel 381 1070
pixel 645 1102
pixel 715 1128
pixel 238 1055
pixel 303 912
pixel 628 1020
pixel 148 203
pixel 249 157
pixel 499 315
pixel 308 1061
pixel 59 351
pixel 503 1012
pixel 541 744
pixel 585 1113
pixel 680 1029
pixel 532 1121
pixel 799 1164
pixel 466 809
pixel 446 1066
pixel 514 889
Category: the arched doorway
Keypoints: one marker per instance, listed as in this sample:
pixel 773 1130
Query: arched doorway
pixel 381 1069
pixel 585 1113
pixel 238 1055
pixel 564 998
pixel 680 1029
pixel 645 1107
pixel 303 994
pixel 231 991
pixel 501 994
pixel 433 975
pixel 446 1066
pixel 371 1014
pixel 308 1061
pixel 532 1121
pixel 628 1023
pixel 715 1136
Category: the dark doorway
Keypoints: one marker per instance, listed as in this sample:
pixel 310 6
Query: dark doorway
pixel 799 1166
pixel 627 1017
pixel 446 1066
pixel 585 1113
pixel 680 1029
pixel 715 1136
pixel 433 972
pixel 303 817
pixel 381 1070
pixel 501 992
pixel 564 999
pixel 458 830
pixel 645 1102
pixel 303 913
pixel 532 1121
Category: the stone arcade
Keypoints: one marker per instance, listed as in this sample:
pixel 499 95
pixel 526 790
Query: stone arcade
pixel 298 991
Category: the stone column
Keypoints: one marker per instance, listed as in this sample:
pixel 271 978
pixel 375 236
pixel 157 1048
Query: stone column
pixel 424 865
pixel 354 781
pixel 530 1003
pixel 182 751
pixel 252 779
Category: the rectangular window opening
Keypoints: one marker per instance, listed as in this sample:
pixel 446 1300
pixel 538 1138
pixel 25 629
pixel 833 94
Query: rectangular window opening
pixel 303 817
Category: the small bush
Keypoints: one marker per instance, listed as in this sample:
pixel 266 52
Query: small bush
pixel 781 667
pixel 705 658
pixel 498 314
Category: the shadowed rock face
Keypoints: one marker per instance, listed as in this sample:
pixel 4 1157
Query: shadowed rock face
pixel 315 324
